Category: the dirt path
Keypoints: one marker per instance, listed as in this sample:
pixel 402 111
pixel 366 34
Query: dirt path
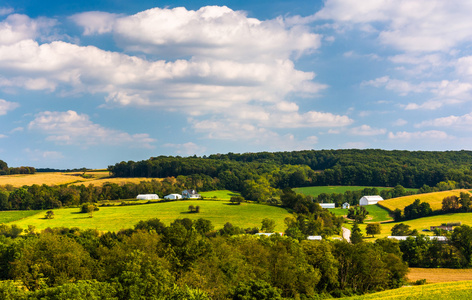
pixel 346 234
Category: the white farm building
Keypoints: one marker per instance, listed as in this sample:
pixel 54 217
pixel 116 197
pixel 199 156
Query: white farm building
pixel 147 197
pixel 173 197
pixel 190 194
pixel 327 205
pixel 369 200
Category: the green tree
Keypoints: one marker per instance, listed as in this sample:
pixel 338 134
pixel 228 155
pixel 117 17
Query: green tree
pixel 49 215
pixel 372 229
pixel 268 225
pixel 465 201
pixel 256 290
pixel 356 235
pixel 236 200
pixel 401 230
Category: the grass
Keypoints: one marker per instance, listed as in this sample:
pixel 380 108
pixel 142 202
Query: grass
pixel 376 213
pixel 219 195
pixel 434 200
pixel 317 190
pixel 14 215
pixel 451 290
pixel 120 217
pixel 439 274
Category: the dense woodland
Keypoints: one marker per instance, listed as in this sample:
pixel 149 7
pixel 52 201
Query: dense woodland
pixel 5 170
pixel 189 260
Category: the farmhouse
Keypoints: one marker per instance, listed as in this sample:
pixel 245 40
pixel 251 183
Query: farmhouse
pixel 370 200
pixel 173 197
pixel 147 197
pixel 327 205
pixel 346 205
pixel 190 194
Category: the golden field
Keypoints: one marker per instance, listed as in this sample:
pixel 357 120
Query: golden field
pixel 439 274
pixel 434 199
pixel 97 178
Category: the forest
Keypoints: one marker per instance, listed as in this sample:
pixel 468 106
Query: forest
pixel 189 260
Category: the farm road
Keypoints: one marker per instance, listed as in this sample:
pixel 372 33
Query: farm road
pixel 346 234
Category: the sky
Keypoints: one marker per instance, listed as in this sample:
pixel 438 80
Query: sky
pixel 93 83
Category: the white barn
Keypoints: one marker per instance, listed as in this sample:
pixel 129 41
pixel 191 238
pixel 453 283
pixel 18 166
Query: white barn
pixel 314 238
pixel 370 200
pixel 147 197
pixel 327 205
pixel 173 197
pixel 346 205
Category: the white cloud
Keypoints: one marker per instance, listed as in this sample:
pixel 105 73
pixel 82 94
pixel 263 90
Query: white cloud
pixel 95 22
pixel 366 130
pixel 6 106
pixel 6 11
pixel 71 128
pixel 16 28
pixel 408 25
pixel 431 135
pixel 2 136
pixel 211 31
pixel 463 122
pixel 189 148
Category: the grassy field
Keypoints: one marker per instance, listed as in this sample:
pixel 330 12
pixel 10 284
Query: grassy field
pixel 14 215
pixel 439 274
pixel 434 200
pixel 51 178
pixel 451 291
pixel 220 195
pixel 119 217
pixel 376 213
pixel 316 190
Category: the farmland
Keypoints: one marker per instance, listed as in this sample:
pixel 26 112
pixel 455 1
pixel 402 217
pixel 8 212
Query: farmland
pixel 454 290
pixel 115 218
pixel 317 190
pixel 376 213
pixel 434 199
pixel 438 275
pixel 219 195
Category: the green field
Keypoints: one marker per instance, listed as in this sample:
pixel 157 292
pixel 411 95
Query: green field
pixel 10 216
pixel 376 213
pixel 114 218
pixel 317 190
pixel 451 291
pixel 219 195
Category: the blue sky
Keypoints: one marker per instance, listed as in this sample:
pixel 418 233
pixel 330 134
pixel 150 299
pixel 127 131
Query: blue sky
pixel 92 83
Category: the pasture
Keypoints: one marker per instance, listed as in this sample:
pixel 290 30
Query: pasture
pixel 376 213
pixel 451 290
pixel 114 218
pixel 219 195
pixel 317 190
pixel 14 215
pixel 434 200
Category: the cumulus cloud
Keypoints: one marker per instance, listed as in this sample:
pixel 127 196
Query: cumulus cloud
pixel 408 25
pixel 6 106
pixel 211 31
pixel 71 128
pixel 16 28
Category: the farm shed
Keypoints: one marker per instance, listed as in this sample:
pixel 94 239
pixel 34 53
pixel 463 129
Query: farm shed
pixel 328 205
pixel 173 197
pixel 370 200
pixel 314 238
pixel 346 205
pixel 147 197
pixel 190 194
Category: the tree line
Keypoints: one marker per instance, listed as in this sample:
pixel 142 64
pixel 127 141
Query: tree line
pixel 5 170
pixel 189 260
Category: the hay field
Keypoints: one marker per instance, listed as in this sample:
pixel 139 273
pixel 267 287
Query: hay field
pixel 95 177
pixel 114 218
pixel 451 290
pixel 439 274
pixel 434 199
